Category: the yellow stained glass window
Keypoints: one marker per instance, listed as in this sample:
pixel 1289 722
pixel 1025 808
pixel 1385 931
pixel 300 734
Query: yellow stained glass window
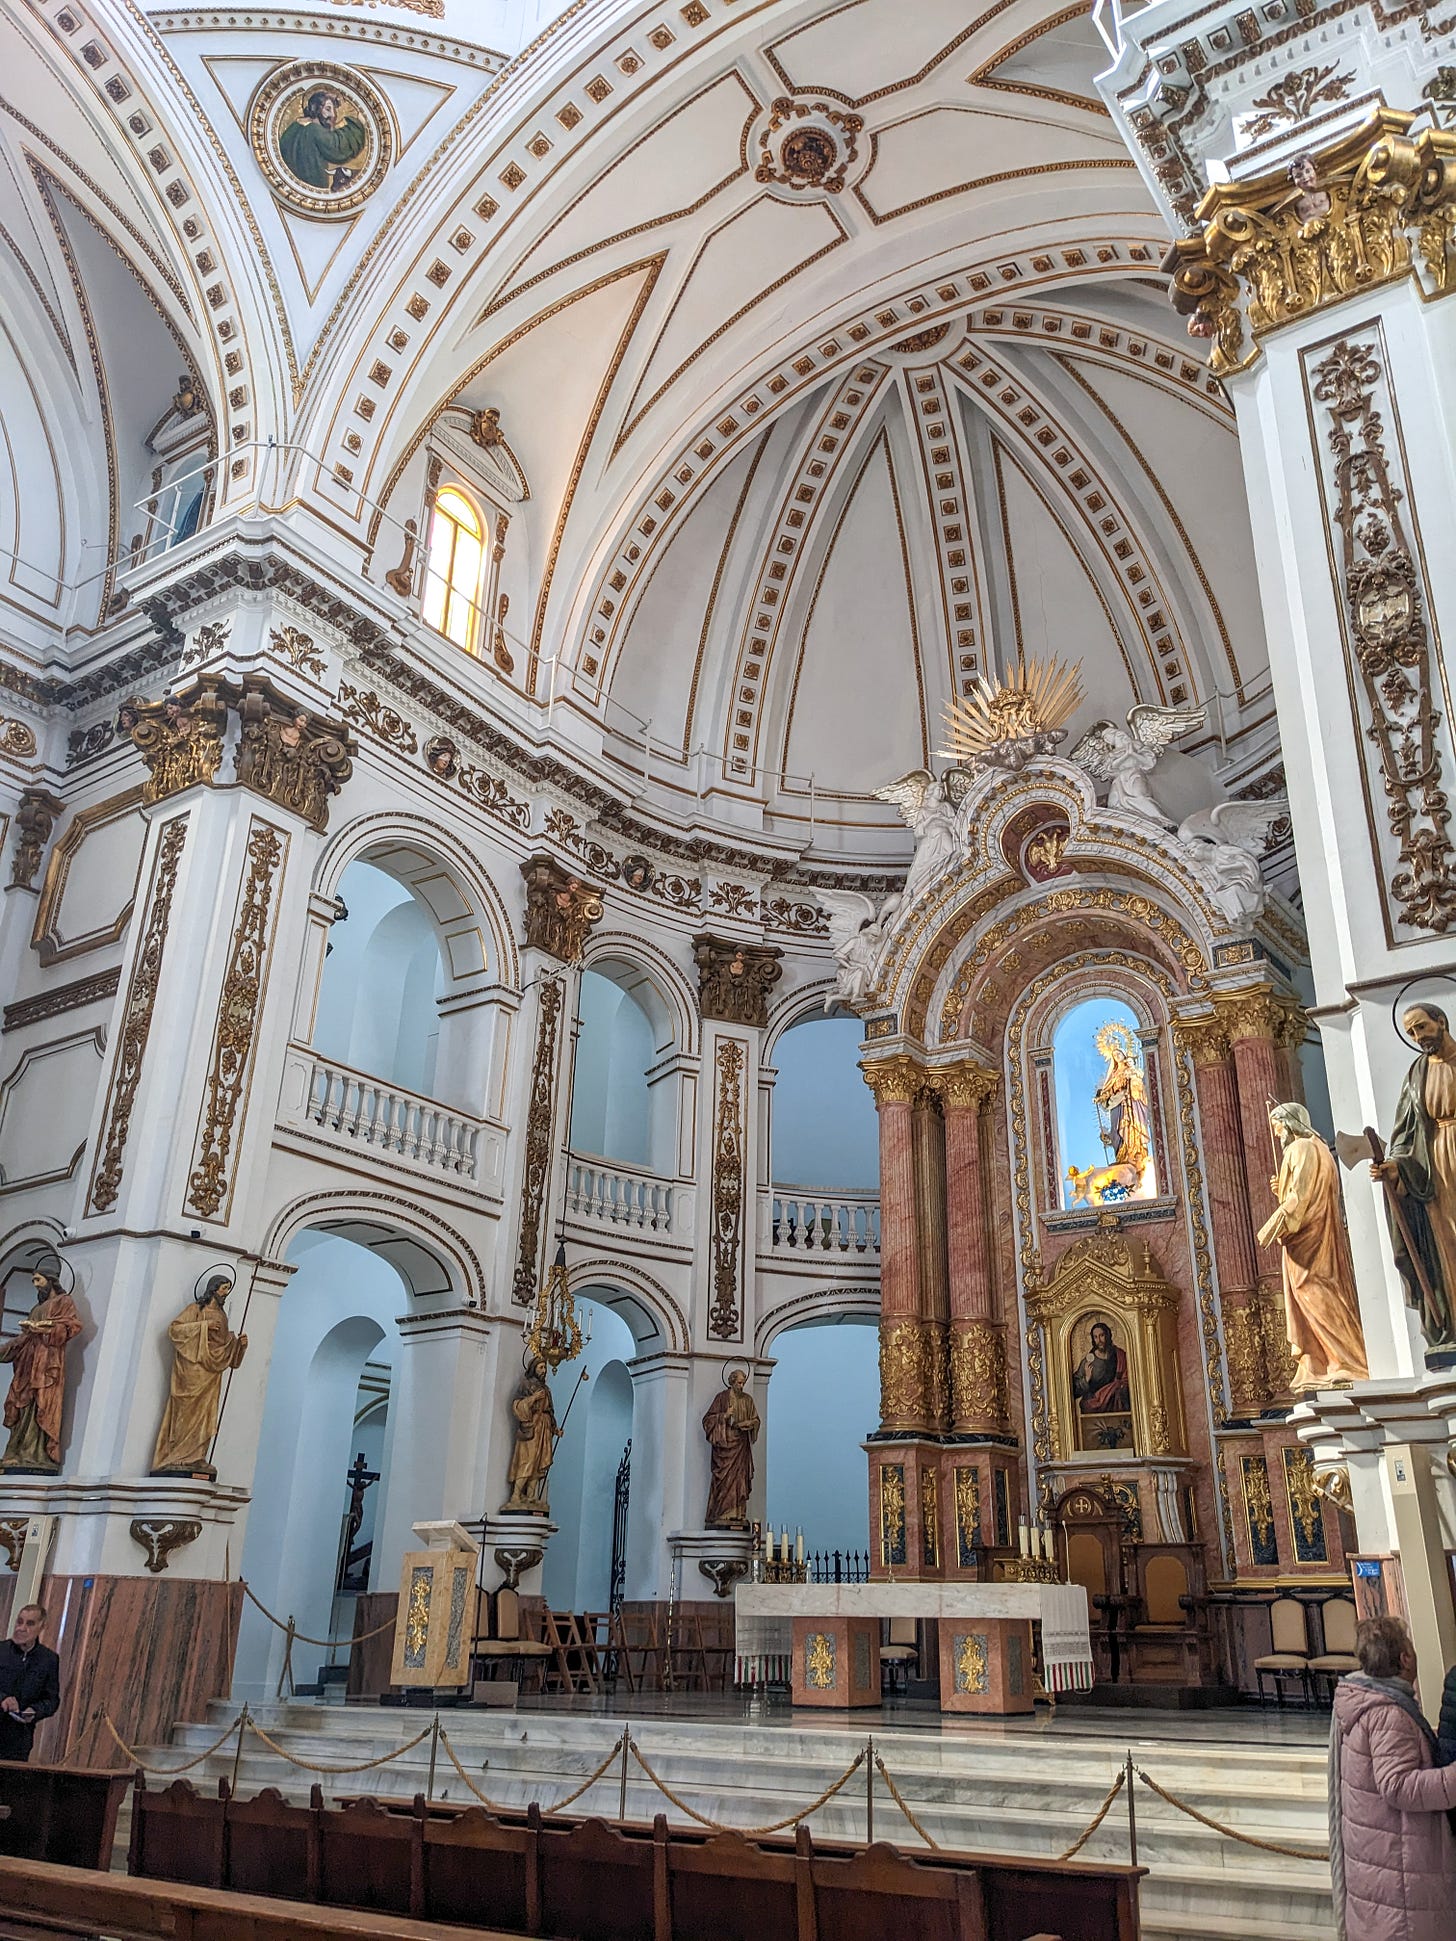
pixel 452 570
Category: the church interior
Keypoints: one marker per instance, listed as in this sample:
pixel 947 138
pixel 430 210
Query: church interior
pixel 727 951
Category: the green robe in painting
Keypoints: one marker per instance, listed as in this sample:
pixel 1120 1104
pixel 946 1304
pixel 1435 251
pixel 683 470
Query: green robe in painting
pixel 313 152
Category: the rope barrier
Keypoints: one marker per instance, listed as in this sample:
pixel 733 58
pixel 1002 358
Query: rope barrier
pixel 748 1832
pixel 1098 1817
pixel 302 1637
pixel 1230 1832
pixel 366 1765
pixel 903 1804
pixel 167 1771
pixel 546 1811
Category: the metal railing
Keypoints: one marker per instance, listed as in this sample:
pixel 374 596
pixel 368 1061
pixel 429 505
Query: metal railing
pixel 357 1109
pixel 824 1223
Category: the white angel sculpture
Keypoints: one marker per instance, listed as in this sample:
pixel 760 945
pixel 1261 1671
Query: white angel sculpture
pixel 857 936
pixel 1226 842
pixel 1126 757
pixel 929 808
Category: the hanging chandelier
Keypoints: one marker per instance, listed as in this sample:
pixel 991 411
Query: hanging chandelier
pixel 555 1332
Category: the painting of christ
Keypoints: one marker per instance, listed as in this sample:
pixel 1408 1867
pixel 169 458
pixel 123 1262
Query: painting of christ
pixel 1102 1390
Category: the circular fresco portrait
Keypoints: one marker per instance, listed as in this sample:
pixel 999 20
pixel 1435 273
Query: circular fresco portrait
pixel 322 136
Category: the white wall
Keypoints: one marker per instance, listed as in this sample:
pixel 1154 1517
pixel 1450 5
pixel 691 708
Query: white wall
pixel 823 1400
pixel 610 1114
pixel 825 1132
pixel 577 1565
pixel 336 1313
pixel 376 1008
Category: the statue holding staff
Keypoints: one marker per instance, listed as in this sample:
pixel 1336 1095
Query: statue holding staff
pixel 731 1426
pixel 535 1450
pixel 1321 1312
pixel 1418 1172
pixel 204 1348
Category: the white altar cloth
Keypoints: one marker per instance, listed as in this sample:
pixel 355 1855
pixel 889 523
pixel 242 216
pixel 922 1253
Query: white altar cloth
pixel 764 1617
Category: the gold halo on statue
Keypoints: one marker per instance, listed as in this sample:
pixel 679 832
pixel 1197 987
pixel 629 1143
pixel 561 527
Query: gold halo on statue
pixel 199 1286
pixel 1116 1032
pixel 728 1368
pixel 65 1274
pixel 1399 1008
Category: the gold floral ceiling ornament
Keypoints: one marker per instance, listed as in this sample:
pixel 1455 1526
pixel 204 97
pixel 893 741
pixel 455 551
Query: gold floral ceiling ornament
pixel 1330 224
pixel 1003 724
pixel 809 146
pixel 323 137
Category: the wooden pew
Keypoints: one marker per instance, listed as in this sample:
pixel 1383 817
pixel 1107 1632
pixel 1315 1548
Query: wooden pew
pixel 39 1898
pixel 61 1813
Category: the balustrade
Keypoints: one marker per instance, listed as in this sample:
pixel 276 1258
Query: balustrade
pixel 809 1223
pixel 359 1110
pixel 618 1196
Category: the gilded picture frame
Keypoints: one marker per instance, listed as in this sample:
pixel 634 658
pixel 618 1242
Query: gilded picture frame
pixel 323 137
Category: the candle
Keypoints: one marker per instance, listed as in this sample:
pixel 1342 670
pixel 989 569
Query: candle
pixel 768 1545
pixel 1023 1538
pixel 784 1542
pixel 799 1548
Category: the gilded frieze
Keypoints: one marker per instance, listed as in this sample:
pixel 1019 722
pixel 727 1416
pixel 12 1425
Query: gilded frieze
pixel 892 1515
pixel 969 1651
pixel 540 1112
pixel 1306 1510
pixel 930 1517
pixel 908 1375
pixel 1259 1510
pixel 136 1022
pixel 968 1514
pixel 977 1376
pixel 239 1014
pixel 725 1320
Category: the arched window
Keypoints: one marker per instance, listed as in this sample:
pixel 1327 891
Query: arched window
pixel 452 572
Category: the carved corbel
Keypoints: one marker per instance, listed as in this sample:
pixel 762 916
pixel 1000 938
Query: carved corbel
pixel 561 910
pixel 35 817
pixel 160 1536
pixel 293 757
pixel 734 979
pixel 12 1538
pixel 179 737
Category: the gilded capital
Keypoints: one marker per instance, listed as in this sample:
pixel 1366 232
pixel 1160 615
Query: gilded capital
pixel 966 1084
pixel 1335 222
pixel 1262 1014
pixel 734 979
pixel 897 1080
pixel 560 909
pixel 1207 1039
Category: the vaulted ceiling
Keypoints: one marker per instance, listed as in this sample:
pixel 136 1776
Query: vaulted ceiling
pixel 829 335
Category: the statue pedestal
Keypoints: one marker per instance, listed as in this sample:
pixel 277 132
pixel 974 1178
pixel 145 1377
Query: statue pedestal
pixel 721 1558
pixel 516 1543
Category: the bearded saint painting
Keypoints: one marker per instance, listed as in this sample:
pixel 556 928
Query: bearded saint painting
pixel 1102 1389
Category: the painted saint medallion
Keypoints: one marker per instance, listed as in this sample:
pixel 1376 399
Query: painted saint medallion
pixel 323 137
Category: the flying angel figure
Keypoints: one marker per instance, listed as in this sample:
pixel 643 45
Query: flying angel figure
pixel 857 935
pixel 1227 842
pixel 928 806
pixel 1125 757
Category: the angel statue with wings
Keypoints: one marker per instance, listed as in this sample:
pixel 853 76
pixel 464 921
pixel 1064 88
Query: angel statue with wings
pixel 1226 842
pixel 858 933
pixel 1125 757
pixel 928 804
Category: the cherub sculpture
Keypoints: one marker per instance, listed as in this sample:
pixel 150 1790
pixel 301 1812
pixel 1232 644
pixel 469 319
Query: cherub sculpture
pixel 928 806
pixel 1226 842
pixel 857 935
pixel 1125 757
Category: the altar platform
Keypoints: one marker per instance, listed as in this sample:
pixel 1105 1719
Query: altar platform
pixel 1026 1785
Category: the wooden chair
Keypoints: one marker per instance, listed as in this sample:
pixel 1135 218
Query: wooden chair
pixel 639 1649
pixel 1290 1656
pixel 271 1846
pixel 900 1651
pixel 1337 1618
pixel 502 1647
pixel 570 1669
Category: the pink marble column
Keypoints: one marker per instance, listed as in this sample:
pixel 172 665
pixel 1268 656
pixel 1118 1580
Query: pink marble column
pixel 904 1342
pixel 1230 1208
pixel 977 1347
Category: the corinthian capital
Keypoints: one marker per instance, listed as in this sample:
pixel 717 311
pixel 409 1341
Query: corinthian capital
pixel 894 1081
pixel 965 1084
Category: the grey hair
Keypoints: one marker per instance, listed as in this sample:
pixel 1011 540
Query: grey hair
pixel 1295 1117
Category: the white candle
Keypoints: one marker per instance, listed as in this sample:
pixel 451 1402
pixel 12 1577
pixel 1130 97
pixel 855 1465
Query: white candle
pixel 799 1548
pixel 1023 1538
pixel 768 1545
pixel 784 1540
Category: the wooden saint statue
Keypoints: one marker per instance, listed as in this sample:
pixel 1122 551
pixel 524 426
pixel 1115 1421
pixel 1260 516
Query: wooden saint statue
pixel 37 1387
pixel 731 1426
pixel 535 1449
pixel 1419 1169
pixel 1321 1313
pixel 203 1349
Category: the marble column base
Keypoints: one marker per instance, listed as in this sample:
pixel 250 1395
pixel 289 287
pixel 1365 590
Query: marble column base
pixel 985 1666
pixel 836 1661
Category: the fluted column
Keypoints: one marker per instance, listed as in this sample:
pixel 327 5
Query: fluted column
pixel 1229 1192
pixel 977 1337
pixel 930 1208
pixel 904 1338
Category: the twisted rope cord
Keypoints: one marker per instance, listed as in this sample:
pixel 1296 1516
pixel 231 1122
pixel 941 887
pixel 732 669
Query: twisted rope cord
pixel 748 1832
pixel 1229 1832
pixel 898 1797
pixel 546 1811
pixel 309 1766
pixel 167 1771
pixel 302 1637
pixel 1097 1818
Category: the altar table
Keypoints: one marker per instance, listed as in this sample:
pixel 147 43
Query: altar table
pixel 827 1637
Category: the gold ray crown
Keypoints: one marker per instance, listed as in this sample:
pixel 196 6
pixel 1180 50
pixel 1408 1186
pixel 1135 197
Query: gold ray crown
pixel 1038 699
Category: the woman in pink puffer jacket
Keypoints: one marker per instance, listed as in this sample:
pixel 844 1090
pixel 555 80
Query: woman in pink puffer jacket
pixel 1392 1851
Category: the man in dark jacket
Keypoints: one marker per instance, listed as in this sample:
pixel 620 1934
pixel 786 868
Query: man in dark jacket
pixel 30 1683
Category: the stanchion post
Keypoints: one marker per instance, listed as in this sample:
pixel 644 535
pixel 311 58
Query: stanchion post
pixel 286 1673
pixel 1128 1781
pixel 434 1755
pixel 622 1790
pixel 870 1791
pixel 238 1751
